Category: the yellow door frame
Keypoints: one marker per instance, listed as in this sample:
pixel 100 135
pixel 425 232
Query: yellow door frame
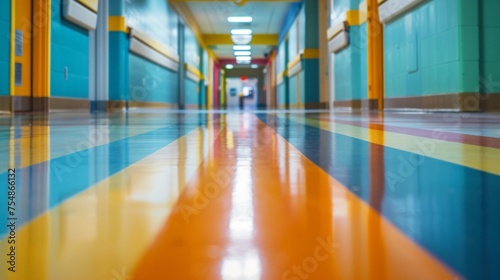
pixel 375 55
pixel 40 50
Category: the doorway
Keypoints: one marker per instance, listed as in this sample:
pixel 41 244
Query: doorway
pixel 245 91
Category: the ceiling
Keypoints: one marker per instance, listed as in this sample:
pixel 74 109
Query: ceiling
pixel 211 19
pixel 268 17
pixel 226 51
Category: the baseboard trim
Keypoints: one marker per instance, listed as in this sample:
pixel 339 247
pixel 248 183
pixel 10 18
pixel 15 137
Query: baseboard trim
pixel 364 104
pixel 459 102
pixel 5 104
pixel 152 105
pixel 316 105
pixel 191 107
pixel 66 104
pixel 490 102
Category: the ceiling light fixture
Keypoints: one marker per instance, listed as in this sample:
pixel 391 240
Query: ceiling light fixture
pixel 241 32
pixel 244 58
pixel 242 48
pixel 254 66
pixel 240 19
pixel 240 53
pixel 229 66
pixel 241 39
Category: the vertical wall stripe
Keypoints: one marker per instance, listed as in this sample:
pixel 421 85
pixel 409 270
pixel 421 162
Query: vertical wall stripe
pixel 375 54
pixel 41 49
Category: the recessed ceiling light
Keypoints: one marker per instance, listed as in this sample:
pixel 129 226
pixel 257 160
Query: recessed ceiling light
pixel 241 31
pixel 254 66
pixel 242 48
pixel 229 66
pixel 241 39
pixel 240 53
pixel 243 58
pixel 243 61
pixel 240 19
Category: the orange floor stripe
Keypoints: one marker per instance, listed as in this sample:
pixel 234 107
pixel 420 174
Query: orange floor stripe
pixel 258 209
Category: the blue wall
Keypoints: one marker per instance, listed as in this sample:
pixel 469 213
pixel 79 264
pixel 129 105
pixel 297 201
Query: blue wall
pixel 490 46
pixel 192 55
pixel 69 48
pixel 191 92
pixel 191 48
pixel 4 47
pixel 423 55
pixel 293 89
pixel 281 99
pixel 118 66
pixel 155 18
pixel 351 67
pixel 150 82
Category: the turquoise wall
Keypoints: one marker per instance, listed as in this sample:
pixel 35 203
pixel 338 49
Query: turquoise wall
pixel 281 100
pixel 422 52
pixel 302 77
pixel 363 60
pixel 351 67
pixel 302 29
pixel 339 8
pixel 293 89
pixel 155 18
pixel 191 48
pixel 119 57
pixel 293 45
pixel 150 82
pixel 118 66
pixel 4 47
pixel 192 54
pixel 490 46
pixel 311 80
pixel 281 59
pixel 69 48
pixel 191 94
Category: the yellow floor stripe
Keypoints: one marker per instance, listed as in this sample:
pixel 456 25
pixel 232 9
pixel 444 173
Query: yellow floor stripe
pixel 101 233
pixel 480 158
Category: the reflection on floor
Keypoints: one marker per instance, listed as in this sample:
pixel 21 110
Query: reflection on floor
pixel 276 195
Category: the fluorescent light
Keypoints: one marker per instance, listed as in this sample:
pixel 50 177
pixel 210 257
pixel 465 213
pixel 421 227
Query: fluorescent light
pixel 254 66
pixel 241 39
pixel 241 31
pixel 240 53
pixel 229 66
pixel 243 61
pixel 240 19
pixel 242 48
pixel 240 58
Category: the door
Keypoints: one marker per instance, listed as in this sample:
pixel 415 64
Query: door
pixel 23 54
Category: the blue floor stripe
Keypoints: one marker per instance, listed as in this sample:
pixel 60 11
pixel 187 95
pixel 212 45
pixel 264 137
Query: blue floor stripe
pixel 73 173
pixel 450 210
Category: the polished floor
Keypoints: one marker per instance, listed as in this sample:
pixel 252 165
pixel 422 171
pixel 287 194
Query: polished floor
pixel 253 195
